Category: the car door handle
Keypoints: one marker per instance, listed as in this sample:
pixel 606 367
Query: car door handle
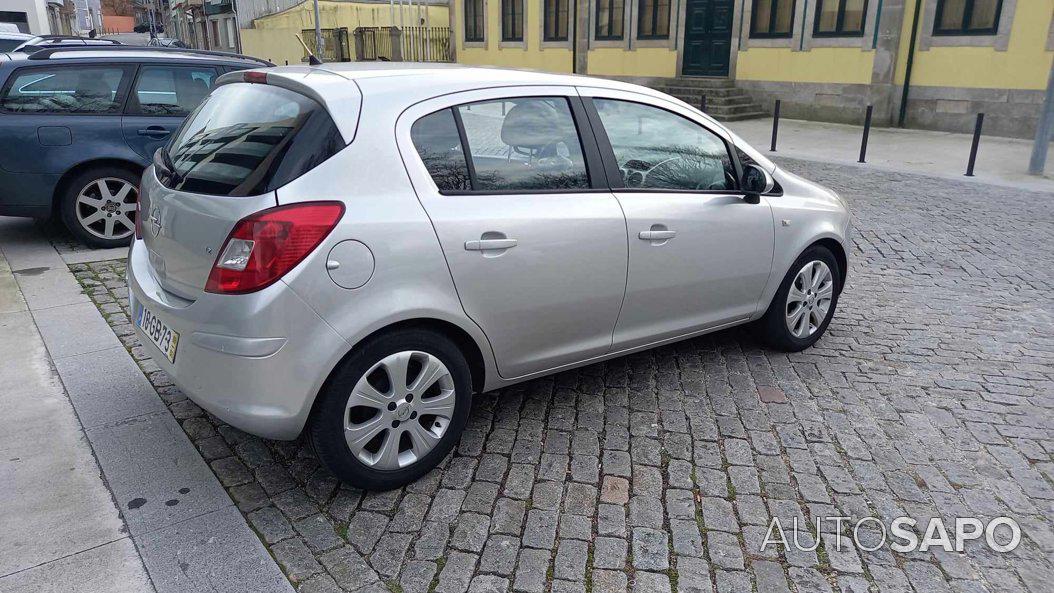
pixel 156 131
pixel 489 244
pixel 657 235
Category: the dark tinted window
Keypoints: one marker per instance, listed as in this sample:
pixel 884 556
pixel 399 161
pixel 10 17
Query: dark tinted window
pixel 436 139
pixel 658 149
pixel 170 90
pixel 528 143
pixel 10 44
pixel 248 139
pixel 85 89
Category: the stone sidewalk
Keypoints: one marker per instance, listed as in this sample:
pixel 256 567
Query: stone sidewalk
pixel 931 396
pixel 100 489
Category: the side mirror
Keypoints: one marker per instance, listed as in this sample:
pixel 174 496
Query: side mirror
pixel 756 181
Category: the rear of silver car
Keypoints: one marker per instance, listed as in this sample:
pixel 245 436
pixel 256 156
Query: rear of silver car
pixel 240 343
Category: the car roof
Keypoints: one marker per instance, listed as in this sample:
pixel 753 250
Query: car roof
pixel 129 54
pixel 13 35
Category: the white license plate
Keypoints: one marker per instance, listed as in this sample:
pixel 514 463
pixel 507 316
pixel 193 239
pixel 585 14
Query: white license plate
pixel 160 334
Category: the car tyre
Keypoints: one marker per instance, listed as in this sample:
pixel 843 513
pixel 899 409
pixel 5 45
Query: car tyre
pixel 801 310
pixel 376 431
pixel 98 206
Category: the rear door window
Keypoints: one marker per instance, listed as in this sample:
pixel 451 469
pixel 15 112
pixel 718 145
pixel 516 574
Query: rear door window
pixel 248 139
pixel 170 90
pixel 436 139
pixel 84 89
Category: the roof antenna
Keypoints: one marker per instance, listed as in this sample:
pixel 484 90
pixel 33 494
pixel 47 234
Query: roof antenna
pixel 311 59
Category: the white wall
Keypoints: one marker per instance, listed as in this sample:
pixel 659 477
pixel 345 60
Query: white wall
pixel 36 14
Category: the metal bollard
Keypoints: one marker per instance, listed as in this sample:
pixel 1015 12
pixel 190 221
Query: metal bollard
pixel 976 141
pixel 867 132
pixel 775 125
pixel 702 104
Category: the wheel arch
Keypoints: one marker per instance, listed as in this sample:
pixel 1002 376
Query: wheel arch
pixel 74 171
pixel 836 249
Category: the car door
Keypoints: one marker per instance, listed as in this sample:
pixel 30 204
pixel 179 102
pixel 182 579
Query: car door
pixel 55 116
pixel 699 253
pixel 161 97
pixel 535 243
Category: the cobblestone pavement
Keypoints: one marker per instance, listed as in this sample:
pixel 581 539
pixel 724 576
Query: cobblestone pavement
pixel 931 395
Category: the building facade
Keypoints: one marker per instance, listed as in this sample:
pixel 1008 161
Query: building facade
pixel 824 59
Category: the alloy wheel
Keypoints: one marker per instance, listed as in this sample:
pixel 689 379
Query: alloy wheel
pixel 809 299
pixel 106 208
pixel 399 410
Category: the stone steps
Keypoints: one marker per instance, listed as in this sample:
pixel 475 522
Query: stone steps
pixel 723 100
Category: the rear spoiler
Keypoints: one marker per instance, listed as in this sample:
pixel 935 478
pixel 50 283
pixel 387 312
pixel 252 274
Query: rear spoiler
pixel 340 96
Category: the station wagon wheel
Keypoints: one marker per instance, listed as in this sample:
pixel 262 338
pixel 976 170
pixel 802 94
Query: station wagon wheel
pixel 98 205
pixel 804 303
pixel 106 208
pixel 393 409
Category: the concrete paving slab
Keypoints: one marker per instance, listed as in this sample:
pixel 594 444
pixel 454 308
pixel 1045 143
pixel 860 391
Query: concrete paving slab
pixel 107 387
pixel 52 502
pixel 23 245
pixel 10 296
pixel 70 330
pixel 212 553
pixel 44 287
pixel 111 568
pixel 94 255
pixel 156 475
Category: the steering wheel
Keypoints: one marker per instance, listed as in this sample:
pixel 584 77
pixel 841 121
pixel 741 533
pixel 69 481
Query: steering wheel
pixel 702 184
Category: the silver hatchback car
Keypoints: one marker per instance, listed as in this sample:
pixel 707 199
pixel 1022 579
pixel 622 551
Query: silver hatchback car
pixel 353 251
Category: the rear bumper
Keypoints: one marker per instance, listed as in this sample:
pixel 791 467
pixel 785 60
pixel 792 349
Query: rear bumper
pixel 255 361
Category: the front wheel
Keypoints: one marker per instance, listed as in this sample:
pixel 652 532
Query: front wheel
pixel 804 303
pixel 393 410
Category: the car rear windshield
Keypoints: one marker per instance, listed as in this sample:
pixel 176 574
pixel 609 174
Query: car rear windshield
pixel 248 139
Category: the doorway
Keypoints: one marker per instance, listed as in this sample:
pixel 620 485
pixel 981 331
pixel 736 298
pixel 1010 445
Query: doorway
pixel 707 37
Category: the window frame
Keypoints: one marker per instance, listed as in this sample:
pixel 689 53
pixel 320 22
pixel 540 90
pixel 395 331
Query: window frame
pixel 121 98
pixel 548 5
pixel 479 22
pixel 132 108
pixel 773 8
pixel 839 27
pixel 968 13
pixel 653 19
pixel 505 36
pixel 612 170
pixel 590 152
pixel 610 22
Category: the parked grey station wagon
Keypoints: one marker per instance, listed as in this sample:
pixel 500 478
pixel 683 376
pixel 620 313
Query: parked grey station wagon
pixel 79 125
pixel 353 251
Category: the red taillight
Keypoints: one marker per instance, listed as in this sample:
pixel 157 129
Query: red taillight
pixel 254 76
pixel 264 246
pixel 138 218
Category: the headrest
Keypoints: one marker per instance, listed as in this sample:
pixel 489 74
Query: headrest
pixel 532 124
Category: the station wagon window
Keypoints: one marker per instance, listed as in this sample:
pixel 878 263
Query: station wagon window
pixel 437 141
pixel 512 20
pixel 170 90
pixel 967 17
pixel 85 89
pixel 474 20
pixel 772 18
pixel 653 20
pixel 840 18
pixel 609 19
pixel 657 149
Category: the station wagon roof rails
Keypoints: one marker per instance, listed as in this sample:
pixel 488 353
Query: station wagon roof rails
pixel 46 53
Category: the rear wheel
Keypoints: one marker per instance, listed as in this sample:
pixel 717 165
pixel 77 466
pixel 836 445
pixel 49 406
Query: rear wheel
pixel 804 303
pixel 393 410
pixel 98 206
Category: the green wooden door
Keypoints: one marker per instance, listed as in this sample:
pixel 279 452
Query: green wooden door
pixel 707 37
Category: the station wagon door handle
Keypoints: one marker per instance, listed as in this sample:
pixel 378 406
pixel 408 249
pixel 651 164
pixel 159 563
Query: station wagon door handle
pixel 657 235
pixel 156 131
pixel 489 244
